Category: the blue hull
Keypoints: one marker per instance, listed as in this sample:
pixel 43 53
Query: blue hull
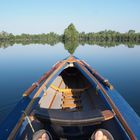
pixel 128 122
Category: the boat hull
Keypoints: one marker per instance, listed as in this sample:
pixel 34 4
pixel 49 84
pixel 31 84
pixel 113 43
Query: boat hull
pixel 115 115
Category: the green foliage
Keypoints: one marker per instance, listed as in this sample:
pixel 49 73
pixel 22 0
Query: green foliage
pixel 111 36
pixel 6 36
pixel 71 46
pixel 70 33
pixel 71 38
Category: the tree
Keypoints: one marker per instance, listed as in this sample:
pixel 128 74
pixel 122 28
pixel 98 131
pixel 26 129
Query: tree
pixel 131 32
pixel 70 33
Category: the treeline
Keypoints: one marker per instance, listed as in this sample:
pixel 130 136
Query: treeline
pixel 110 36
pixel 102 38
pixel 72 34
pixel 49 38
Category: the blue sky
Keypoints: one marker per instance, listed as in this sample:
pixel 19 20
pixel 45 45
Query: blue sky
pixel 43 16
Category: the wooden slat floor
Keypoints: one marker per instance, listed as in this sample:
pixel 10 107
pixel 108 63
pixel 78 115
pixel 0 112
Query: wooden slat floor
pixel 87 100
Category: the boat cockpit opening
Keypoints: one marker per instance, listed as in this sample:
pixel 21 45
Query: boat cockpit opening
pixel 71 91
pixel 71 108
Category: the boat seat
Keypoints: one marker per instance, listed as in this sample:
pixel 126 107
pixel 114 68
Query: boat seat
pixel 78 118
pixel 71 101
pixel 69 91
pixel 78 101
pixel 71 96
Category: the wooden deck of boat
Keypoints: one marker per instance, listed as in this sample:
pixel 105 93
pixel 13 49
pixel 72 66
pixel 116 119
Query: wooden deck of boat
pixel 85 100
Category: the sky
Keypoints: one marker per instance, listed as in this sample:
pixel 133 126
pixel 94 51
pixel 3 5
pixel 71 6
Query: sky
pixel 44 16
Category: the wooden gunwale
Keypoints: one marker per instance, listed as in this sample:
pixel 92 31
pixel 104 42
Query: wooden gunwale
pixel 115 109
pixel 28 108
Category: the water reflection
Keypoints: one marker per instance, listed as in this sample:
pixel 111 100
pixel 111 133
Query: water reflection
pixel 70 46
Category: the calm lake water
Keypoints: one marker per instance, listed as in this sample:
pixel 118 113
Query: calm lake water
pixel 20 66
